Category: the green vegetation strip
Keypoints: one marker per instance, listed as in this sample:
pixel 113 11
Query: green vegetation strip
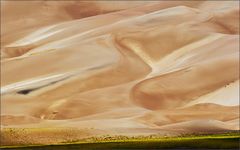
pixel 218 141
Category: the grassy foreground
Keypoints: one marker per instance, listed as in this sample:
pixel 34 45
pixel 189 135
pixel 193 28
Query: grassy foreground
pixel 216 141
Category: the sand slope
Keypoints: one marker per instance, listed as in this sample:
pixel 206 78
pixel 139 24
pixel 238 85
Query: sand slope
pixel 160 67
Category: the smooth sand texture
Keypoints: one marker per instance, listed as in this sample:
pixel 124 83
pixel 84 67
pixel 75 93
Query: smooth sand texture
pixel 78 69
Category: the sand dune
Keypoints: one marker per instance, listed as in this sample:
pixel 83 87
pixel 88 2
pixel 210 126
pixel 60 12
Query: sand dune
pixel 135 68
pixel 200 126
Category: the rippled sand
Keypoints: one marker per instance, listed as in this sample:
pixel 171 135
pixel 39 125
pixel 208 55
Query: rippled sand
pixel 119 68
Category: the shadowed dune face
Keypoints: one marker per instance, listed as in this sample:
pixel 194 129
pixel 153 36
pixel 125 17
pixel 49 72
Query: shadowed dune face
pixel 179 87
pixel 129 68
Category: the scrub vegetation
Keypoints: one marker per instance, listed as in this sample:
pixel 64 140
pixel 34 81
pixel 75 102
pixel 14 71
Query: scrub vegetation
pixel 216 141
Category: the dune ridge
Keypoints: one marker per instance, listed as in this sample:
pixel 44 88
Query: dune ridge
pixel 157 67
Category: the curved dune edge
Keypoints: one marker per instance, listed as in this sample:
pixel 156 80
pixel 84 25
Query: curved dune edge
pixel 141 68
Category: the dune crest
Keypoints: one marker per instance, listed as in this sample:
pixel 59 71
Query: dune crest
pixel 147 67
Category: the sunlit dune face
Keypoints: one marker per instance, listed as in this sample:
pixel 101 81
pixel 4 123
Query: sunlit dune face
pixel 117 67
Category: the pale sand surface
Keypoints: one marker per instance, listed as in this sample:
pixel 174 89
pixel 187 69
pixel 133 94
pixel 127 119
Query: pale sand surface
pixel 71 70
